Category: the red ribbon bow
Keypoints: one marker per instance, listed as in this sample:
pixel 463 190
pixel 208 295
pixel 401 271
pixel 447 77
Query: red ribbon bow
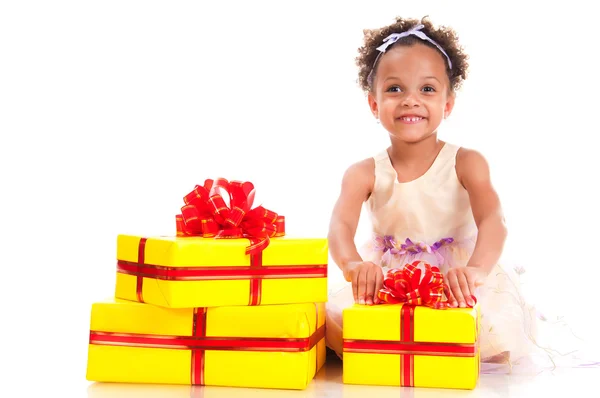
pixel 418 283
pixel 206 214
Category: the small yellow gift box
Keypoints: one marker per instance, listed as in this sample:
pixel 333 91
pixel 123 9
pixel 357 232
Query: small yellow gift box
pixel 415 339
pixel 407 345
pixel 191 271
pixel 278 346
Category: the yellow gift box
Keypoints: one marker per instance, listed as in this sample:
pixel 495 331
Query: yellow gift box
pixel 278 346
pixel 187 272
pixel 414 346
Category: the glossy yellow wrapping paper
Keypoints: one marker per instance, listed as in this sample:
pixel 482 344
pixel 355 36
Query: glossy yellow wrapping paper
pixel 426 361
pixel 295 271
pixel 134 362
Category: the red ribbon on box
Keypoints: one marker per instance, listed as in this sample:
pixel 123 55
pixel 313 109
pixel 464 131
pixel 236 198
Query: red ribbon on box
pixel 206 214
pixel 416 284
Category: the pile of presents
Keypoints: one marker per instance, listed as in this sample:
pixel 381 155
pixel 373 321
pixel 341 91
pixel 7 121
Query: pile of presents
pixel 231 300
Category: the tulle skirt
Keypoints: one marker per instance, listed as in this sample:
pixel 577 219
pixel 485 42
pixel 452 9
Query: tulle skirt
pixel 513 335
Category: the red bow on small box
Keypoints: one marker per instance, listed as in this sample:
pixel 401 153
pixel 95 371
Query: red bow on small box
pixel 206 214
pixel 417 284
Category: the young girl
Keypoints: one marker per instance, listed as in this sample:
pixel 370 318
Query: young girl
pixel 427 199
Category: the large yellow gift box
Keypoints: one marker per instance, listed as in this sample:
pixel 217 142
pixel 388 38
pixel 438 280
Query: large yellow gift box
pixel 408 345
pixel 190 271
pixel 278 346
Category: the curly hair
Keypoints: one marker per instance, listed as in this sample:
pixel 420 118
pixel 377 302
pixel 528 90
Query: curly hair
pixel 444 36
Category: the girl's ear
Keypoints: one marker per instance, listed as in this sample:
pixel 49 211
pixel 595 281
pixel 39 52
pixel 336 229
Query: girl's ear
pixel 449 105
pixel 373 105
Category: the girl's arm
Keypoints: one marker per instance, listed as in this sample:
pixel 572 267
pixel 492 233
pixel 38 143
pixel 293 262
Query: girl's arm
pixel 474 174
pixel 357 185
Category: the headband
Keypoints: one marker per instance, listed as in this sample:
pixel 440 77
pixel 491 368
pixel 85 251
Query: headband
pixel 394 37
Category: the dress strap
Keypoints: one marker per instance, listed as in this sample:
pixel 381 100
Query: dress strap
pixel 385 178
pixel 447 155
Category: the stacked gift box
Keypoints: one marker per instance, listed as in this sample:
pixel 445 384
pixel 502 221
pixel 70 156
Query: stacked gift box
pixel 230 300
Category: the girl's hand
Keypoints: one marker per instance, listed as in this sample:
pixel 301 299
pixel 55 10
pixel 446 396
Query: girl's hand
pixel 367 279
pixel 462 282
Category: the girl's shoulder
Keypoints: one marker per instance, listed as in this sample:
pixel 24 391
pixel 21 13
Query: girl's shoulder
pixel 361 174
pixel 471 166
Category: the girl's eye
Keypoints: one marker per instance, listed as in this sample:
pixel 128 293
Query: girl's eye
pixel 394 89
pixel 428 89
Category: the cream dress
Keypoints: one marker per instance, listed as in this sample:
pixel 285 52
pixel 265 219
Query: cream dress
pixel 430 219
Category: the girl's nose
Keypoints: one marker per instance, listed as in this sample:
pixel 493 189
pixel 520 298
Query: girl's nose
pixel 410 100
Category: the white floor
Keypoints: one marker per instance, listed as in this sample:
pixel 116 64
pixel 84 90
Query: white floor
pixel 328 383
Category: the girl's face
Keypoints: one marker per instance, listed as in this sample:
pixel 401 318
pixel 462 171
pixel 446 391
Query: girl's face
pixel 411 92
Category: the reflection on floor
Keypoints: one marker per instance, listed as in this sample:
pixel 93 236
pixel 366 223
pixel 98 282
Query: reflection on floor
pixel 328 383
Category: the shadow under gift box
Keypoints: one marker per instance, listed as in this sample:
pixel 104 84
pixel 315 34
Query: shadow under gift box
pixel 187 272
pixel 278 346
pixel 413 346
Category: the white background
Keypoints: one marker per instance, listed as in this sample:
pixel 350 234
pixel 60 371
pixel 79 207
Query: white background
pixel 111 111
